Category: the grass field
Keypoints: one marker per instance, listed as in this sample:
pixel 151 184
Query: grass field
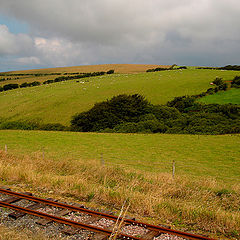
pixel 214 156
pixel 230 96
pixel 203 197
pixel 59 101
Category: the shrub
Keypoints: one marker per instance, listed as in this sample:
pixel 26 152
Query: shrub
pixel 236 82
pixel 128 127
pixel 148 126
pixel 110 71
pixel 231 67
pixel 35 83
pixel 152 126
pixel 48 81
pixel 108 114
pixel 164 112
pixel 223 87
pixel 10 86
pixel 52 127
pixel 210 91
pixel 184 103
pixel 23 125
pixel 150 70
pixel 218 81
pixel 23 85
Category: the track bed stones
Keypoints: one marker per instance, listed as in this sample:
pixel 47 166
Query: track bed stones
pixel 104 223
pixel 78 217
pixel 134 230
pixel 168 237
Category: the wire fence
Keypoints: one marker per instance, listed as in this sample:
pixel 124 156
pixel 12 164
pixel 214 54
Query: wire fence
pixel 215 169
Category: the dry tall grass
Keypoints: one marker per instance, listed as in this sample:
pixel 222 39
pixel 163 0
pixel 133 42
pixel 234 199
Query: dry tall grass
pixel 202 205
pixel 119 68
pixel 19 234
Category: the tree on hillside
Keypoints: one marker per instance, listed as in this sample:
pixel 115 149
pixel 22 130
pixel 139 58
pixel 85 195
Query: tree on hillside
pixel 107 114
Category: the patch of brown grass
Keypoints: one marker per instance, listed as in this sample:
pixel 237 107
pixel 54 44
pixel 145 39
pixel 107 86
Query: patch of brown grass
pixel 19 234
pixel 202 205
pixel 119 68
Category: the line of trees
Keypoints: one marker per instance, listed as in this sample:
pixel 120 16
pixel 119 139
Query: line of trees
pixel 83 75
pixel 164 69
pixel 227 67
pixel 58 79
pixel 11 86
pixel 134 114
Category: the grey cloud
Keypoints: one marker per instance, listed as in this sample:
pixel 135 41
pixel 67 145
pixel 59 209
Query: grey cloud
pixel 13 44
pixel 124 31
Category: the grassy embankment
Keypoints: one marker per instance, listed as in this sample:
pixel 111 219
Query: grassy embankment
pixel 230 96
pixel 58 102
pixel 203 197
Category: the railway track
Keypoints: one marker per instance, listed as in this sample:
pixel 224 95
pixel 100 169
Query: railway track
pixel 63 210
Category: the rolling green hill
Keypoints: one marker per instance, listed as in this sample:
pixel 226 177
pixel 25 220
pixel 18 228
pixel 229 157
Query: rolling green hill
pixel 230 96
pixel 59 101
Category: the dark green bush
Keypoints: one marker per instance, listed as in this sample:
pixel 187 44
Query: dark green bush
pixel 184 103
pixel 22 125
pixel 110 71
pixel 231 67
pixel 35 83
pixel 236 82
pixel 162 112
pixel 218 81
pixel 108 114
pixel 10 86
pixel 148 126
pixel 23 85
pixel 48 81
pixel 52 127
pixel 134 114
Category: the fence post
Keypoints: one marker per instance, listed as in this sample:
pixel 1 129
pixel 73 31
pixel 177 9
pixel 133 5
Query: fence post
pixel 102 160
pixel 5 148
pixel 173 169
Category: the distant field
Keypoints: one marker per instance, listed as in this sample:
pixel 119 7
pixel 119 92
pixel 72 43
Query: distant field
pixel 230 96
pixel 118 68
pixel 212 156
pixel 59 101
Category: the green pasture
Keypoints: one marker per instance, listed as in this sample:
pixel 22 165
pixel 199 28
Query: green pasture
pixel 230 96
pixel 56 103
pixel 209 156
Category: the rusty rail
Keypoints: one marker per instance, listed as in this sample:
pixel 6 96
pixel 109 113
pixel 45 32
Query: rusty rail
pixel 90 212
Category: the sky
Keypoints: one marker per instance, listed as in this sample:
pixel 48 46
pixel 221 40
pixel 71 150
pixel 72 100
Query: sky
pixel 55 33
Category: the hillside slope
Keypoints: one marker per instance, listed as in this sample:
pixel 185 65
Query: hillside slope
pixel 119 68
pixel 57 102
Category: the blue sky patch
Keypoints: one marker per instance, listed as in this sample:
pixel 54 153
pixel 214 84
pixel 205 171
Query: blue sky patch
pixel 14 26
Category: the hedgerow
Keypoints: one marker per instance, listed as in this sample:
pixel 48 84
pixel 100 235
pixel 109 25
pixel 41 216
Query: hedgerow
pixel 134 114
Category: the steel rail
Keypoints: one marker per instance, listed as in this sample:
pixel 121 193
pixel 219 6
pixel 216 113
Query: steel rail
pixel 65 221
pixel 95 213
